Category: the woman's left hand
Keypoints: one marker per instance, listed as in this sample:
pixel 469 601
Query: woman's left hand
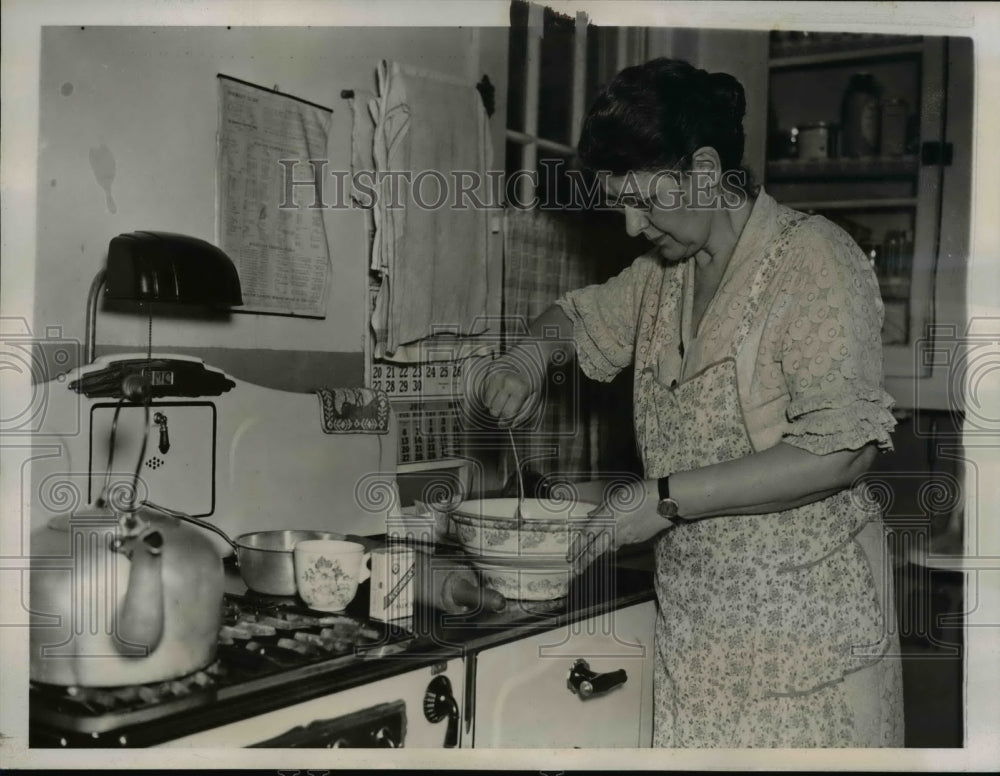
pixel 627 516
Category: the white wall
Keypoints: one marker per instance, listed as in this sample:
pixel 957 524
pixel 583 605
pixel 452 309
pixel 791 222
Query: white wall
pixel 149 96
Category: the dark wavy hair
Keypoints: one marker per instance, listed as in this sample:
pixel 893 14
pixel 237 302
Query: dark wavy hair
pixel 653 116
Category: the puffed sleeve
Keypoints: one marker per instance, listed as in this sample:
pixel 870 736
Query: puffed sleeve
pixel 831 349
pixel 605 319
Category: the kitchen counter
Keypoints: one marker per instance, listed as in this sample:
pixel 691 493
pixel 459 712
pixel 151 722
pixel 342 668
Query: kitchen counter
pixel 614 582
pixel 610 583
pixel 431 637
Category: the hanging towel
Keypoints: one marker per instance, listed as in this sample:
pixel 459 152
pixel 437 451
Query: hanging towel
pixel 353 411
pixel 433 260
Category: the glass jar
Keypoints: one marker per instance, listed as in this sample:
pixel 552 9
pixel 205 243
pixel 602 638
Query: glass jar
pixel 860 116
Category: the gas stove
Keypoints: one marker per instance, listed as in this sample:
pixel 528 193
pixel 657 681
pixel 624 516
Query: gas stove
pixel 265 644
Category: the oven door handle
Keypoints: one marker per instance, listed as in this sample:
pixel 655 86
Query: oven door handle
pixel 586 683
pixel 383 725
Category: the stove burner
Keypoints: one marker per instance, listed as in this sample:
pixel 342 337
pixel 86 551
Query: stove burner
pixel 271 631
pixel 264 641
pixel 101 700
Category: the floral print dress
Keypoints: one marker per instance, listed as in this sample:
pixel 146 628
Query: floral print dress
pixel 772 630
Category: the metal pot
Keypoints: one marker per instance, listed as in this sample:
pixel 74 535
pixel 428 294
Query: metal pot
pixel 264 558
pixel 266 561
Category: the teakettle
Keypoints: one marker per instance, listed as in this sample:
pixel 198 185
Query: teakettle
pixel 120 598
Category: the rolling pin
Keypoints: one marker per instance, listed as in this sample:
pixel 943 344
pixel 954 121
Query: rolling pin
pixel 447 584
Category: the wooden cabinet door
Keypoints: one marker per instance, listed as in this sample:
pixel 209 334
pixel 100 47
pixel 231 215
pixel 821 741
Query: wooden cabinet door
pixel 522 699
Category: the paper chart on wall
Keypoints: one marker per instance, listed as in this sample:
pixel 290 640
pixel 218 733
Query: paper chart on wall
pixel 280 247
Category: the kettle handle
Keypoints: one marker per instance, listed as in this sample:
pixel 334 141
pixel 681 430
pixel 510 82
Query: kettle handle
pixel 193 521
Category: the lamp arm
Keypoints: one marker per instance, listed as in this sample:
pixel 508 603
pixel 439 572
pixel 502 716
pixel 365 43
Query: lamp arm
pixel 93 298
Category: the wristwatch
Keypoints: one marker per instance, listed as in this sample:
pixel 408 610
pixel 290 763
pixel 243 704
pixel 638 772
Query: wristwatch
pixel 667 507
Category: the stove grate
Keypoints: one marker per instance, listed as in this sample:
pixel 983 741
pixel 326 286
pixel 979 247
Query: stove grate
pixel 260 638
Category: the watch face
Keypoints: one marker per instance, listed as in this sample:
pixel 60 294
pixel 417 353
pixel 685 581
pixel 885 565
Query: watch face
pixel 667 508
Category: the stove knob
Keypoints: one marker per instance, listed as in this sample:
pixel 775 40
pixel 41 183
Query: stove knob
pixel 439 703
pixel 383 738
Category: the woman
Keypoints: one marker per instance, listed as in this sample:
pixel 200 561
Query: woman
pixel 754 335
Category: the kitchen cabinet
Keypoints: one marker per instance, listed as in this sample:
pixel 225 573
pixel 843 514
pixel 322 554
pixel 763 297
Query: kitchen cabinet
pixel 522 696
pixel 906 203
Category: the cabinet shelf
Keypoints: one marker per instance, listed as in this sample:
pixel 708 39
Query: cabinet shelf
pixel 876 197
pixel 882 203
pixel 854 54
pixel 864 167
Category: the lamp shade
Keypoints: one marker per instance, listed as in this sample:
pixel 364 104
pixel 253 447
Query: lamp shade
pixel 167 267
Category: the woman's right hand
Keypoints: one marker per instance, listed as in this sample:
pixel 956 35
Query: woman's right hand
pixel 511 389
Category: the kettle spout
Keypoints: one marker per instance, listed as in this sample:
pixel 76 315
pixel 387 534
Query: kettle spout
pixel 140 618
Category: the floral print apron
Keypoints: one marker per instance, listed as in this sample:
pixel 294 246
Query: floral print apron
pixel 760 617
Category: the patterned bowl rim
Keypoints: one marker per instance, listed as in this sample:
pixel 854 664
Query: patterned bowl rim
pixel 465 514
pixel 549 562
pixel 530 524
pixel 564 571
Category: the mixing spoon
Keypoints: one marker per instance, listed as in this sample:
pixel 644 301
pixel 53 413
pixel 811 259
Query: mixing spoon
pixel 518 515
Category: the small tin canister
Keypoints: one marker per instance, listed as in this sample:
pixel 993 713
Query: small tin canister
pixel 392 583
pixel 815 141
pixel 893 130
pixel 860 115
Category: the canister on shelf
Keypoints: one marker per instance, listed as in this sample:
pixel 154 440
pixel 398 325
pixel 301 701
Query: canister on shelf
pixel 815 141
pixel 893 132
pixel 392 583
pixel 860 115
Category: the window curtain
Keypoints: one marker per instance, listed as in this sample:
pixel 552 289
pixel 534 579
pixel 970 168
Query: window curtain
pixel 585 430
pixel 546 254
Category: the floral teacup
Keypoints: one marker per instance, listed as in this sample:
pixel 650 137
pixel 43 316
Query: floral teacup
pixel 328 572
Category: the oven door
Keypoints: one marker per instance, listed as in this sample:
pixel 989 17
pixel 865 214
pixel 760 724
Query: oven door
pixel 585 685
pixel 387 713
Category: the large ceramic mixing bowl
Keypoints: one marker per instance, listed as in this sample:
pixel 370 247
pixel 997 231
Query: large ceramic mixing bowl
pixel 490 527
pixel 523 558
pixel 522 579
